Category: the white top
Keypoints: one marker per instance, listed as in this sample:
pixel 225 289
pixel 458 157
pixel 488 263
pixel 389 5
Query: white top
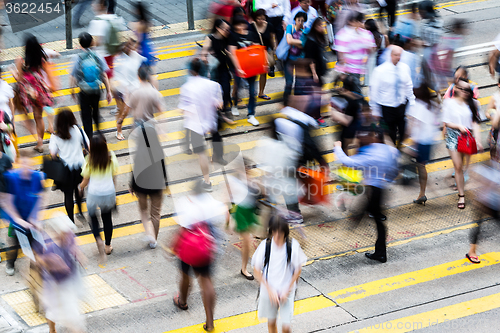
pixel 457 113
pixel 283 8
pixel 386 78
pixel 6 93
pixel 101 181
pixel 100 28
pixel 279 276
pixel 192 209
pixel 496 99
pixel 125 72
pixel 312 14
pixel 425 129
pixel 292 130
pixel 70 151
pixel 199 99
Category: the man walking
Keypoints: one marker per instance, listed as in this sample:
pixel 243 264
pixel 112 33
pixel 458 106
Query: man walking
pixel 379 164
pixel 200 98
pixel 391 89
pixel 276 10
pixel 88 73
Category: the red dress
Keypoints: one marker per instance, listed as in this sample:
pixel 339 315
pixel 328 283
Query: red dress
pixel 33 90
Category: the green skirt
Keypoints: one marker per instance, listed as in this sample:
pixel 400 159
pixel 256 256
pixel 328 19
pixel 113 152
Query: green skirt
pixel 245 218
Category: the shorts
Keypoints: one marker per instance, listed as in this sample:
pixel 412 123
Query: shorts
pixel 106 202
pixel 451 138
pixel 198 142
pixel 269 311
pixel 424 153
pixel 201 271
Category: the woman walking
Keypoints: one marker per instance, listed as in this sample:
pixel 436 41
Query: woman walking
pixel 67 142
pixel 294 35
pixel 267 36
pixel 380 41
pixel 460 117
pixel 98 173
pixel 314 49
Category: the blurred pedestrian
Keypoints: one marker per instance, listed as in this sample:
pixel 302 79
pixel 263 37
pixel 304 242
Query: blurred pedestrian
pixel 78 11
pixel 314 49
pixel 267 37
pixel 66 144
pixel 374 57
pixel 303 7
pixel 431 30
pixel 353 45
pixel 391 90
pixel 125 81
pixel 141 28
pixel 145 101
pixel 493 106
pixel 88 73
pixel 461 117
pixel 62 283
pixel 407 26
pixel 34 94
pixel 295 39
pixel 348 8
pixel 197 212
pixel 21 204
pixel 462 73
pixel 390 9
pixel 99 173
pixel 423 126
pixel 277 264
pixel 276 11
pixel 241 38
pixel 379 162
pixel 494 58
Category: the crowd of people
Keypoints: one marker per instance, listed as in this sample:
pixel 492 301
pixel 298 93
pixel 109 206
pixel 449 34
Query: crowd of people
pixel 412 92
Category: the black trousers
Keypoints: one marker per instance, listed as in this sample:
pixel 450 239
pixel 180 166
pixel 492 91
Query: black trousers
pixel 224 80
pixel 89 106
pixel 375 197
pixel 107 226
pixel 395 120
pixel 391 11
pixel 277 23
pixel 475 232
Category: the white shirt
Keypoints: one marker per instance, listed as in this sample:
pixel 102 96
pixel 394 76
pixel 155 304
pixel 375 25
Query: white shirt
pixel 283 8
pixel 70 151
pixel 312 14
pixel 199 99
pixel 125 74
pixel 457 113
pixel 383 86
pixel 425 128
pixel 101 181
pixel 292 130
pixel 6 93
pixel 192 209
pixel 280 273
pixel 100 28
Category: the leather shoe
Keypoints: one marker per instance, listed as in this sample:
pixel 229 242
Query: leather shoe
pixel 373 256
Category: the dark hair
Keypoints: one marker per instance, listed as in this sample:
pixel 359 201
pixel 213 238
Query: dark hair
pixel 65 120
pixel 459 24
pixel 99 157
pixel 348 83
pixel 103 3
pixel 237 20
pixel 318 36
pixel 371 25
pixel 414 7
pixel 471 102
pixel 426 9
pixel 33 53
pixel 259 12
pixel 423 93
pixel 278 223
pixel 140 7
pixel 299 15
pixel 462 68
pixel 356 17
pixel 85 39
pixel 238 11
pixel 217 24
pixel 195 66
pixel 143 73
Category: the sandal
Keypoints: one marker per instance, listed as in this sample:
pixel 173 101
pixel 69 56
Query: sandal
pixel 267 98
pixel 178 304
pixel 38 149
pixel 208 330
pixel 461 205
pixel 108 249
pixel 473 259
pixel 120 136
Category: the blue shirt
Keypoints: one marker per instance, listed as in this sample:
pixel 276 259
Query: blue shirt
pixel 25 191
pixel 379 163
pixel 312 14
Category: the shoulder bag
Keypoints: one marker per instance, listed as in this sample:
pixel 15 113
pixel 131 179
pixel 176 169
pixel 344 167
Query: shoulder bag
pixel 467 144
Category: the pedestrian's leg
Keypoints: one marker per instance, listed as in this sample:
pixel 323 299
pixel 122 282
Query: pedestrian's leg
pixel 286 328
pixel 376 202
pixel 86 114
pixel 245 252
pixel 204 165
pixel 457 159
pixel 288 69
pixel 251 97
pixel 271 326
pixel 225 82
pixel 69 203
pixel 107 225
pixel 52 326
pixel 156 200
pixel 40 126
pixel 236 86
pixel 78 198
pixel 390 122
pixel 120 105
pixel 95 110
pixel 262 84
pixel 217 146
pixel 208 296
pixel 13 243
pixel 94 224
pixel 184 285
pixel 187 140
pixel 401 123
pixel 142 199
pixel 422 178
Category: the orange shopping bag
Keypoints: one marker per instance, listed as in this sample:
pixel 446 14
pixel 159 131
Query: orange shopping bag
pixel 252 60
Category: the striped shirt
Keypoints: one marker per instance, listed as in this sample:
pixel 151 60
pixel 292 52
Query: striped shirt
pixel 355 45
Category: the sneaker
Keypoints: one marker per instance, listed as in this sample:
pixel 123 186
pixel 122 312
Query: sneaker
pixel 219 160
pixel 321 122
pixel 271 72
pixel 383 217
pixel 152 245
pixel 234 111
pixel 253 121
pixel 207 187
pixel 9 270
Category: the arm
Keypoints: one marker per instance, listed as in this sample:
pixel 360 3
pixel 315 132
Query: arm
pixel 233 58
pixel 491 105
pixel 476 128
pixel 7 203
pixel 409 88
pixel 461 128
pixel 494 55
pixel 295 277
pixel 207 43
pixel 109 97
pixel 293 42
pixel 350 161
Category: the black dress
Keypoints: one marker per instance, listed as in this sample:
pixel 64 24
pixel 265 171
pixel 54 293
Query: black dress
pixel 266 35
pixel 315 51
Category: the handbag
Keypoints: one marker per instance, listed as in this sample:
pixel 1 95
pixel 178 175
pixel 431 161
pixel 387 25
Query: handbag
pixel 282 49
pixel 195 246
pixel 55 169
pixel 467 144
pixel 270 56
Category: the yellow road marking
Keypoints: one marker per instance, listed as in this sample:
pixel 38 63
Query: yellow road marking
pixel 438 316
pixel 412 278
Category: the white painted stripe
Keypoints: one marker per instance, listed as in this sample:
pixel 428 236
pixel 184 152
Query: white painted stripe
pixel 466 53
pixel 471 47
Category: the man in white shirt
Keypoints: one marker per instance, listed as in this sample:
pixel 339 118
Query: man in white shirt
pixel 199 100
pixel 276 11
pixel 304 6
pixel 391 89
